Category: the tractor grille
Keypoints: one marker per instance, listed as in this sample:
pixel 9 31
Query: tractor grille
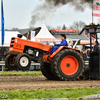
pixel 12 45
pixel 12 42
pixel 13 38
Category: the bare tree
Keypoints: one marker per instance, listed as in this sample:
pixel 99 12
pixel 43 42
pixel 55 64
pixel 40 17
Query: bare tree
pixel 77 25
pixel 49 27
pixel 64 27
pixel 6 29
pixel 14 29
pixel 58 28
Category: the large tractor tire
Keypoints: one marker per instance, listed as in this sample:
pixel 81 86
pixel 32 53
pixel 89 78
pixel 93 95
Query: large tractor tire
pixel 45 69
pixel 23 61
pixel 10 62
pixel 68 64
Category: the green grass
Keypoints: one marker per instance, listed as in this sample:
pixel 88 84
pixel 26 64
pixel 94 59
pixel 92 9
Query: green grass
pixel 21 73
pixel 50 93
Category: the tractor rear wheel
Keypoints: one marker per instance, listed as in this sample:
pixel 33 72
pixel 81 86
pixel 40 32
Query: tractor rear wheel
pixel 23 61
pixel 10 62
pixel 45 69
pixel 68 64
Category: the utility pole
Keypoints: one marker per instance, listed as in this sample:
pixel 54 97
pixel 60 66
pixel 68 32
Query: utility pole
pixel 92 11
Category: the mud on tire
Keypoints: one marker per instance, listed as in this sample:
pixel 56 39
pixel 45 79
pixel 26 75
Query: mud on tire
pixel 68 64
pixel 45 69
pixel 9 63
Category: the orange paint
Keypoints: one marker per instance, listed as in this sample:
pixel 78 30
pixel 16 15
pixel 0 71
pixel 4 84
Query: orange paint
pixel 18 45
pixel 69 65
pixel 63 47
pixel 23 61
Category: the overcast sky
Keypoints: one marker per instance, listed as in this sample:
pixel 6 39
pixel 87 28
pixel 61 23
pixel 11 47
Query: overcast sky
pixel 17 14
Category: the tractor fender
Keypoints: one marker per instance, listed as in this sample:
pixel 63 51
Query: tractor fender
pixel 63 47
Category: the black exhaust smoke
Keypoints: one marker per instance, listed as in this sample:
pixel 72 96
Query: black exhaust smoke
pixel 46 9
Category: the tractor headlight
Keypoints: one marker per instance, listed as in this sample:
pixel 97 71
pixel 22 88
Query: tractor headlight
pixel 30 51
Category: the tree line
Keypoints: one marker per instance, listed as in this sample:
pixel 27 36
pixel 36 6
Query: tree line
pixel 77 25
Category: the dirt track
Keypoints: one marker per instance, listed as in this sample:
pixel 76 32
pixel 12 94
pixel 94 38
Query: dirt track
pixel 40 82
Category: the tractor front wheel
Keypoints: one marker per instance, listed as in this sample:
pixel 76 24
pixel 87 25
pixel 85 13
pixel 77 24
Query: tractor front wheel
pixel 10 62
pixel 68 64
pixel 23 61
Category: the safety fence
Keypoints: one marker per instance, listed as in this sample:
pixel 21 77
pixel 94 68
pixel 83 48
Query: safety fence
pixel 33 64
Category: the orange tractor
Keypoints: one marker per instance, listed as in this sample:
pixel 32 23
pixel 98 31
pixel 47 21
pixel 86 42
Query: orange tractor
pixel 64 64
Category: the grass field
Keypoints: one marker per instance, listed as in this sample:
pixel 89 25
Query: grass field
pixel 21 73
pixel 49 93
pixel 44 93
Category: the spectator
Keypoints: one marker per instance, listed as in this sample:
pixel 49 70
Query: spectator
pixel 96 47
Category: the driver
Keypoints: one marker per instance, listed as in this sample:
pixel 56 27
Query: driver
pixel 63 43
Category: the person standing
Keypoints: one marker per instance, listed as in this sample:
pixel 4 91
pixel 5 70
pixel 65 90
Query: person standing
pixel 96 47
